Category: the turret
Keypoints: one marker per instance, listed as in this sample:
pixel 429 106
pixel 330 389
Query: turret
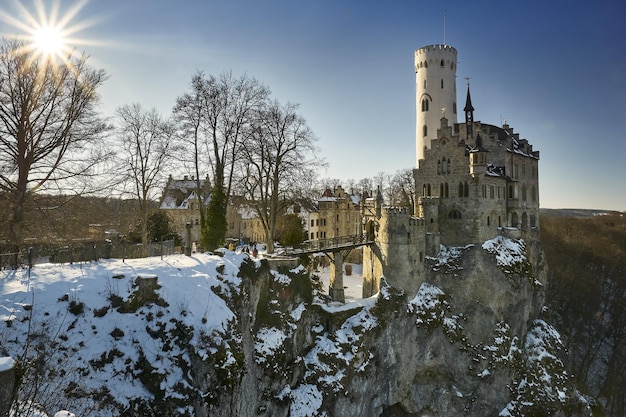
pixel 478 158
pixel 435 75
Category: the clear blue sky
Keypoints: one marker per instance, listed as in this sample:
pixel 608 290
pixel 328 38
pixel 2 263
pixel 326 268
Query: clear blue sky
pixel 555 70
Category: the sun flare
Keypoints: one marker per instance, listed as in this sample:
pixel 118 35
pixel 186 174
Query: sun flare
pixel 47 30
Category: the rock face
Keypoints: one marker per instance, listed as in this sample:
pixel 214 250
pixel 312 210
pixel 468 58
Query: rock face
pixel 468 342
pixel 457 347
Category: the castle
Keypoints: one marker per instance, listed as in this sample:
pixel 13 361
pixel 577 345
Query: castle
pixel 473 181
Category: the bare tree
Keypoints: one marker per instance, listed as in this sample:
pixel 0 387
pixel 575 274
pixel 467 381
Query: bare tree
pixel 189 117
pixel 403 189
pixel 49 128
pixel 147 145
pixel 280 156
pixel 219 112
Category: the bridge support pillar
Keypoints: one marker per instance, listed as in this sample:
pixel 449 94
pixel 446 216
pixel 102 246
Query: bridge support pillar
pixel 335 289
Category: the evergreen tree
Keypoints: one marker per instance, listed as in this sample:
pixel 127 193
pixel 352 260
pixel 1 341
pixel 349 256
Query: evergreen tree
pixel 214 227
pixel 289 230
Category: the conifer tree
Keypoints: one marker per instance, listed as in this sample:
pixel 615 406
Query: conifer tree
pixel 214 227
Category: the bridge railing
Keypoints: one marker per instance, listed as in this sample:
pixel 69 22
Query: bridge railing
pixel 331 243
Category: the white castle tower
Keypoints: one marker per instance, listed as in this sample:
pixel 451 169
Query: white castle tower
pixel 435 75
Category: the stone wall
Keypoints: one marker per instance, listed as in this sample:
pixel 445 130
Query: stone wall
pixel 7 384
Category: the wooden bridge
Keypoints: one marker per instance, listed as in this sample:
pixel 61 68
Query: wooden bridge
pixel 336 249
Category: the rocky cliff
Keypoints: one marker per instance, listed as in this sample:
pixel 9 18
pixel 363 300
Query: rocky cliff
pixel 470 342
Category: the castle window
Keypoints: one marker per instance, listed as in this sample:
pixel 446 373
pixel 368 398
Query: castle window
pixel 466 190
pixel 444 166
pixel 460 189
pixel 449 166
pixel 499 221
pixel 523 193
pixel 442 83
pixel 484 191
pixel 425 104
pixel 451 65
pixel 424 84
pixel 312 234
pixel 454 107
pixel 454 214
pixel 442 63
pixel 425 130
pixel 510 191
pixel 438 166
pixel 514 220
pixel 446 190
pixel 492 191
pixel 488 221
pixel 533 221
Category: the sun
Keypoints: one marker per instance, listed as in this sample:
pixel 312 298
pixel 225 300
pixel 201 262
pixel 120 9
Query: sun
pixel 47 30
pixel 49 41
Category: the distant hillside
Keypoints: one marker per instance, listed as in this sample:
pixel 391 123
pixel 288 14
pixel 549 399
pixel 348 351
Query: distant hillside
pixel 576 212
pixel 586 256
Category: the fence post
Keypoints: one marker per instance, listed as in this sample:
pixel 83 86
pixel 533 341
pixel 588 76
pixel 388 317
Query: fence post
pixel 30 261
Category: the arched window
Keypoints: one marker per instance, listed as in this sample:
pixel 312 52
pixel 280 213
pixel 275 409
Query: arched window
pixel 523 192
pixel 466 190
pixel 461 189
pixel 425 104
pixel 425 64
pixel 524 220
pixel 454 214
pixel 449 169
pixel 438 166
pixel 446 190
pixel 514 220
pixel 428 190
pixel 441 190
pixel 444 166
pixel 442 63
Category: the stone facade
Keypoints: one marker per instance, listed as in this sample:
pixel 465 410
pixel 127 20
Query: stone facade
pixel 475 181
pixel 182 204
pixel 337 215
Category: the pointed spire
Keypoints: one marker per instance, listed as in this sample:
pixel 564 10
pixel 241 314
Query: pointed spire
pixel 469 113
pixel 468 101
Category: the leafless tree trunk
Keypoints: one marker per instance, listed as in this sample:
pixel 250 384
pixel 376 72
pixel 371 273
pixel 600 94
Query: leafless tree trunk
pixel 147 145
pixel 49 129
pixel 280 157
pixel 226 106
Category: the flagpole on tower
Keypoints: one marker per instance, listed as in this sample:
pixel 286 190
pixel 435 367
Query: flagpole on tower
pixel 444 27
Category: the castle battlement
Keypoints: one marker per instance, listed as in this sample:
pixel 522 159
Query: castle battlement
pixel 436 47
